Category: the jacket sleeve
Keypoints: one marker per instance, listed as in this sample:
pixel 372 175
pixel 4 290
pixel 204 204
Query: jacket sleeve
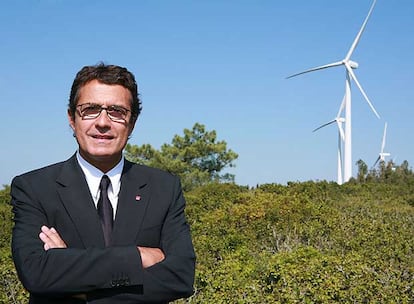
pixel 173 278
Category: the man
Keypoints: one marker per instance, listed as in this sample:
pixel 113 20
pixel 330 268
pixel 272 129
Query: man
pixel 97 228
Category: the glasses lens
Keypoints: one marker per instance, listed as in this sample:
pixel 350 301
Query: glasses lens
pixel 90 111
pixel 117 113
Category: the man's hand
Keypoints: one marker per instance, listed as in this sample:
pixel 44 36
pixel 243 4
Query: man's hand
pixel 150 256
pixel 51 238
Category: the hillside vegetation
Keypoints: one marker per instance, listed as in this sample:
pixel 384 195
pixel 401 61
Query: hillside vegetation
pixel 303 243
pixel 309 242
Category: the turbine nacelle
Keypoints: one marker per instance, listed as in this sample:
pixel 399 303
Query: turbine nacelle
pixel 353 64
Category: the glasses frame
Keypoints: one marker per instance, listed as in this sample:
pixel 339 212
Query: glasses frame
pixel 101 108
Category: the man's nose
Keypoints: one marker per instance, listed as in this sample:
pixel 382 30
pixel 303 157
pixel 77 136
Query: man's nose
pixel 103 118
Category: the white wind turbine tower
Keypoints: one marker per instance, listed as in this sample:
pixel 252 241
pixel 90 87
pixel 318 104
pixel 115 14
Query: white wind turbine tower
pixel 349 66
pixel 341 138
pixel 382 154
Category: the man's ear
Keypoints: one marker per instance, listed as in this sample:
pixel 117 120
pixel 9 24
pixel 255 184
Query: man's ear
pixel 71 121
pixel 131 127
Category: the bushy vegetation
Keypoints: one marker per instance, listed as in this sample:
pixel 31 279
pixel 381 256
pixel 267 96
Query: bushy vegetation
pixel 313 242
pixel 11 291
pixel 304 242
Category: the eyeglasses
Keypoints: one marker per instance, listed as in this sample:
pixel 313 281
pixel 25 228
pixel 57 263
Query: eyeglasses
pixel 92 111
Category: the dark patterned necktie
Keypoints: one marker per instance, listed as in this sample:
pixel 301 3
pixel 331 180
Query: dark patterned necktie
pixel 105 210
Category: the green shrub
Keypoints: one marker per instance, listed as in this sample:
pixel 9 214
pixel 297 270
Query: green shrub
pixel 11 290
pixel 312 242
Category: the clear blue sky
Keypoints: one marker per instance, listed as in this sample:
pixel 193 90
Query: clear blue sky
pixel 219 63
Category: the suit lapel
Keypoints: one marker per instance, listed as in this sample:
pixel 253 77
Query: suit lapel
pixel 133 200
pixel 77 200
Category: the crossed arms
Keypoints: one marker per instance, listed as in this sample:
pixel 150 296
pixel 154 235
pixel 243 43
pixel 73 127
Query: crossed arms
pixel 51 239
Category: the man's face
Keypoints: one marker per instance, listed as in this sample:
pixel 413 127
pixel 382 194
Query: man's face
pixel 100 139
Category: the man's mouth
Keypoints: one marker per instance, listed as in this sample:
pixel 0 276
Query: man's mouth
pixel 107 137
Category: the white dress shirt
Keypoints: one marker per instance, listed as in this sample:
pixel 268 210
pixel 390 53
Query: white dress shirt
pixel 93 177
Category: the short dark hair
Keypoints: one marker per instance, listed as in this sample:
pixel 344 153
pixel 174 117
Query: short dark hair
pixel 106 74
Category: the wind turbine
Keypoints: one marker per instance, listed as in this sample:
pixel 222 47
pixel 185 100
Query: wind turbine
pixel 382 154
pixel 349 66
pixel 341 138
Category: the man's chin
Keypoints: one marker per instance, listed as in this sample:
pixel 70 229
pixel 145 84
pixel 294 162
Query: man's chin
pixel 103 154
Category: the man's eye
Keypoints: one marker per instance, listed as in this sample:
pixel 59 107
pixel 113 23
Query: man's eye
pixel 92 108
pixel 118 110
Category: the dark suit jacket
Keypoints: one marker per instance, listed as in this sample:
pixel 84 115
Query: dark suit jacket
pixel 150 213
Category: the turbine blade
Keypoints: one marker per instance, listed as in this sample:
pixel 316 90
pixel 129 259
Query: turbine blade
pixel 324 125
pixel 376 162
pixel 358 37
pixel 317 68
pixel 341 107
pixel 341 130
pixel 349 69
pixel 383 138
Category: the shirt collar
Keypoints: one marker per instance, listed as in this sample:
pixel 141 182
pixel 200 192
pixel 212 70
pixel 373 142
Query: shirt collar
pixel 93 176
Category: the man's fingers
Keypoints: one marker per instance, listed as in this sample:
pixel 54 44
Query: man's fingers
pixel 47 242
pixel 150 256
pixel 51 238
pixel 43 237
pixel 52 234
